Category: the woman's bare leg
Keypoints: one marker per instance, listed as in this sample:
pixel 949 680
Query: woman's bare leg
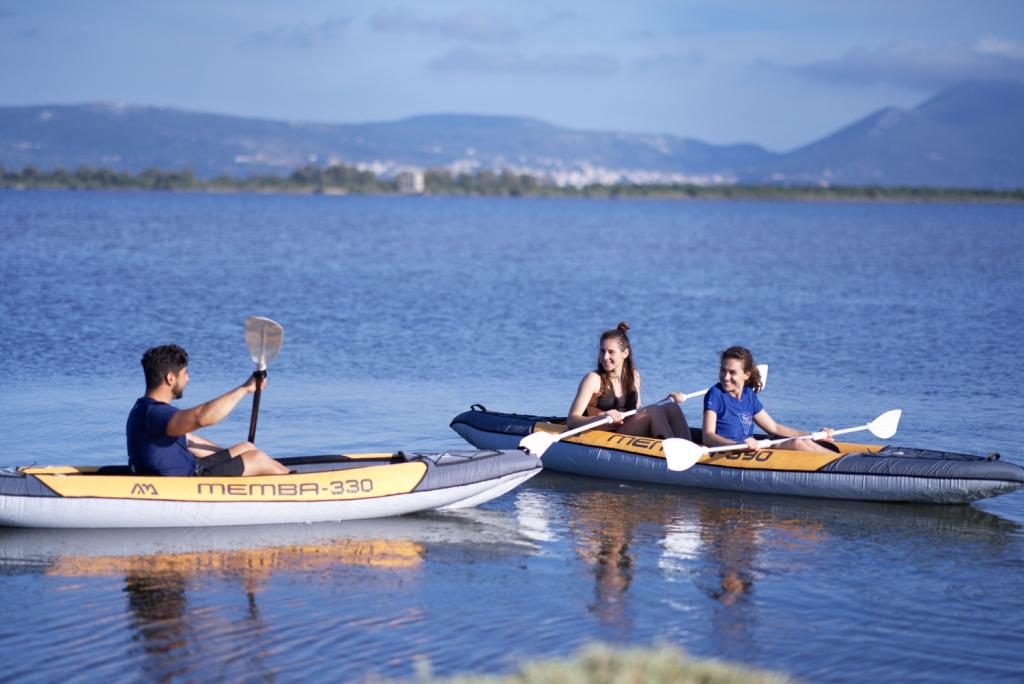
pixel 638 424
pixel 660 421
pixel 803 445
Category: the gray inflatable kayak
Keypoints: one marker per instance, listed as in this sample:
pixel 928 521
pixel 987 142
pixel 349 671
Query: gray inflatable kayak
pixel 854 471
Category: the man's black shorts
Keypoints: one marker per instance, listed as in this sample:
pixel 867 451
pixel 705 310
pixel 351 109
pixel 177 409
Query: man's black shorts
pixel 219 464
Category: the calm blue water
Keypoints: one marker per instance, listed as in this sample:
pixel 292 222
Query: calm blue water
pixel 398 314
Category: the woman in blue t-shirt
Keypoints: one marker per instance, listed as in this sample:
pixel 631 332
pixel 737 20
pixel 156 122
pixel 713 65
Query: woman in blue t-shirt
pixel 731 408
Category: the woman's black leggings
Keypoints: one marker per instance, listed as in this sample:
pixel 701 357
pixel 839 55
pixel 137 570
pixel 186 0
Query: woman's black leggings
pixel 657 420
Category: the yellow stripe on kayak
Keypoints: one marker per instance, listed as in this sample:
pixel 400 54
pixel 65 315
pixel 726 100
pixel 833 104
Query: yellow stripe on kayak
pixel 336 485
pixel 76 470
pixel 369 457
pixel 764 459
pixel 781 459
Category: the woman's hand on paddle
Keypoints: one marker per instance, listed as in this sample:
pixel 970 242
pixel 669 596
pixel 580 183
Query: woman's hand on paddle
pixel 616 416
pixel 678 397
pixel 828 434
pixel 752 444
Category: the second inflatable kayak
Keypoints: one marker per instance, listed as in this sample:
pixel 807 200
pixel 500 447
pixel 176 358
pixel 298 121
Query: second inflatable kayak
pixel 852 471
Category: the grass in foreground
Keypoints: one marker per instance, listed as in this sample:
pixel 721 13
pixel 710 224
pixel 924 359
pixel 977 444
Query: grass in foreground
pixel 602 664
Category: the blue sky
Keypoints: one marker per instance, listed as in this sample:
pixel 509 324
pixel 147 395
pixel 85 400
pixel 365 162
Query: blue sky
pixel 779 74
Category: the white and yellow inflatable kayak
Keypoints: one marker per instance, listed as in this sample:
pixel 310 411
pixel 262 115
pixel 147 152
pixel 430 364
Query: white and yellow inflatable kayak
pixel 318 489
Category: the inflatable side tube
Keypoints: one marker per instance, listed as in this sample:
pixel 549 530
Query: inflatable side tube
pixel 16 483
pixel 500 423
pixel 927 463
pixel 453 468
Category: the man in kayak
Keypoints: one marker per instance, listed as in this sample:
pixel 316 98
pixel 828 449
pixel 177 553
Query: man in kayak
pixel 162 439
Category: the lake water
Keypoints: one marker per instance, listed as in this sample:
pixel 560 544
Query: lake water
pixel 401 312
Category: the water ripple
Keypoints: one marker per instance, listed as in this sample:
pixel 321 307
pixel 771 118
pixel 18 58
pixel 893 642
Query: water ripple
pixel 399 315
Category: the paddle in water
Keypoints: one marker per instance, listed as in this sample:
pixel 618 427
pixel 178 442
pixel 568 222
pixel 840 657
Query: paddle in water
pixel 263 337
pixel 682 454
pixel 537 443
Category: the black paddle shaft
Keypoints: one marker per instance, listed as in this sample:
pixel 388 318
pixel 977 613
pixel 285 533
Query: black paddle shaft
pixel 258 375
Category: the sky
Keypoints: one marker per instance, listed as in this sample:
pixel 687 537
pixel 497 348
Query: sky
pixel 779 73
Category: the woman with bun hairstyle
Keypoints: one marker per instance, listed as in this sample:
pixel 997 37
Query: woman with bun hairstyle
pixel 614 387
pixel 731 407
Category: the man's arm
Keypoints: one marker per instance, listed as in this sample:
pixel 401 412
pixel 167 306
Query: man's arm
pixel 211 412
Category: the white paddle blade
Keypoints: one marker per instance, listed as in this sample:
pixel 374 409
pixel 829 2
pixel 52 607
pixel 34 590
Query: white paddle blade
pixel 762 370
pixel 681 454
pixel 537 443
pixel 263 337
pixel 884 426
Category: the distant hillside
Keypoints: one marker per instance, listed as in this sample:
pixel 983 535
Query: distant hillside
pixel 134 138
pixel 967 136
pixel 970 135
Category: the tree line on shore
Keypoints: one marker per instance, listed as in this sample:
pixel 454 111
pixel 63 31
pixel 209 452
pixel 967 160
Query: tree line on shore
pixel 339 179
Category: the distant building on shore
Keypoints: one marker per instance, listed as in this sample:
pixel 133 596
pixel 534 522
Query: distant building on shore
pixel 410 182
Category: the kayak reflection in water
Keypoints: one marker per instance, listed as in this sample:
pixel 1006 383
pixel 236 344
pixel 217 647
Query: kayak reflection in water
pixel 731 408
pixel 162 439
pixel 614 387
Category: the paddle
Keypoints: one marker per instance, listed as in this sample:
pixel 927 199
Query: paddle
pixel 537 443
pixel 263 337
pixel 682 454
pixel 762 370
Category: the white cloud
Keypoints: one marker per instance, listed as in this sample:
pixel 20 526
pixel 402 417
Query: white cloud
pixel 469 61
pixel 923 66
pixel 480 27
pixel 399 21
pixel 993 45
pixel 669 62
pixel 476 27
pixel 301 36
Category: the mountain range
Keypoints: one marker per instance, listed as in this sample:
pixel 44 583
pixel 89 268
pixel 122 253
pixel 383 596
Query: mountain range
pixel 969 136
